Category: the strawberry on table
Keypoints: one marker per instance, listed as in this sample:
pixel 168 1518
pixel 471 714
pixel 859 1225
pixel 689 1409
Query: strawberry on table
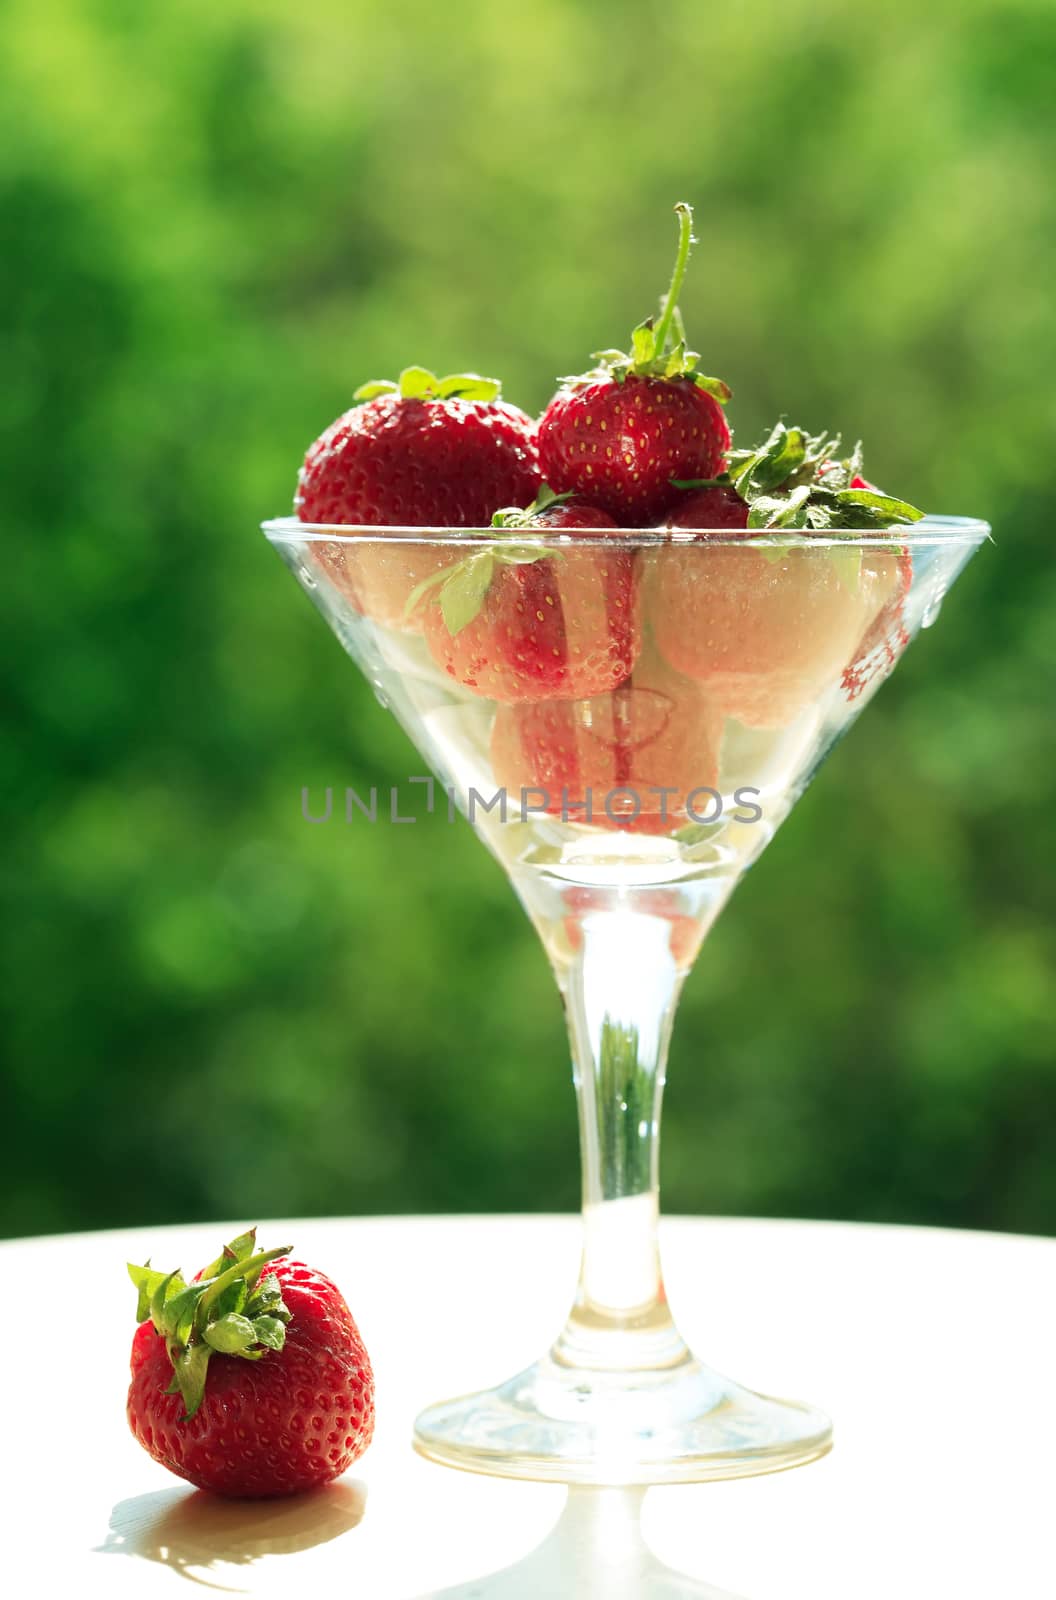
pixel 426 452
pixel 516 621
pixel 655 738
pixel 620 433
pixel 252 1380
pixel 769 629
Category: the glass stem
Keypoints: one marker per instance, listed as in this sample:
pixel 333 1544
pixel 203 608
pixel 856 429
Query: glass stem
pixel 620 990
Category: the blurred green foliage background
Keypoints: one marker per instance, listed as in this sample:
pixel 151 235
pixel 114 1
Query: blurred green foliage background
pixel 217 220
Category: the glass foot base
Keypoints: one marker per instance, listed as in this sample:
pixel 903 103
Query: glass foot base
pixel 570 1425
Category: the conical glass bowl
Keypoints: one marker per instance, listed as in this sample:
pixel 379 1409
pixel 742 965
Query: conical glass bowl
pixel 625 720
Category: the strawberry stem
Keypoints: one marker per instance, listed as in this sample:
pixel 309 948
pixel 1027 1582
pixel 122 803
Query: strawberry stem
pixel 226 1310
pixel 650 355
pixel 662 330
pixel 250 1270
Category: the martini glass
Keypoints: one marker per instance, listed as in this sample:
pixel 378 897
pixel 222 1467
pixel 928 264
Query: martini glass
pixel 624 817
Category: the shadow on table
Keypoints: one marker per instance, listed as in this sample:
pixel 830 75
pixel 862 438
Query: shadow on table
pixel 595 1552
pixel 199 1535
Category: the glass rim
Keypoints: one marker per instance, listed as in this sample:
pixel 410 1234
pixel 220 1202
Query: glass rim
pixel 929 531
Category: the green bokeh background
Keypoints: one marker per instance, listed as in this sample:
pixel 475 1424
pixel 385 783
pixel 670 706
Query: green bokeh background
pixel 217 220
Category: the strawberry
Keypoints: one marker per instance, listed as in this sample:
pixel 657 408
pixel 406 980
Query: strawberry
pixel 770 629
pixel 886 637
pixel 716 509
pixel 252 1381
pixel 519 622
pixel 377 576
pixel 792 480
pixel 427 452
pixel 620 433
pixel 637 755
pixel 557 512
pixel 767 630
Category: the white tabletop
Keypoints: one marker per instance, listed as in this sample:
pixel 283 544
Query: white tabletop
pixel 934 1352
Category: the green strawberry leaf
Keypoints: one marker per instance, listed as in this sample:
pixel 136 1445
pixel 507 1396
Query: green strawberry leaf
pixel 780 511
pixel 714 386
pixel 886 506
pixel 523 516
pixel 233 1298
pixel 421 589
pixel 464 589
pixel 171 1285
pixel 239 1249
pixel 468 386
pixel 796 480
pixel 242 1248
pixel 821 516
pixel 147 1281
pixel 271 1331
pixel 180 1312
pixel 374 388
pixel 231 1334
pixel 266 1296
pixel 189 1370
pixel 784 456
pixel 741 472
pixel 417 383
pixel 643 344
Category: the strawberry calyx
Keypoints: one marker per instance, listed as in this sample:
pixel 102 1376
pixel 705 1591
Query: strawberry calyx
pixel 418 383
pixel 525 516
pixel 798 480
pixel 227 1310
pixel 658 345
pixel 462 589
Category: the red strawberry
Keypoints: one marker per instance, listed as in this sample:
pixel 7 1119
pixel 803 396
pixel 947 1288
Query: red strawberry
pixel 429 452
pixel 252 1381
pixel 769 630
pixel 559 512
pixel 621 433
pixel 719 508
pixel 792 480
pixel 515 622
pixel 641 752
pixel 886 637
pixel 380 575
